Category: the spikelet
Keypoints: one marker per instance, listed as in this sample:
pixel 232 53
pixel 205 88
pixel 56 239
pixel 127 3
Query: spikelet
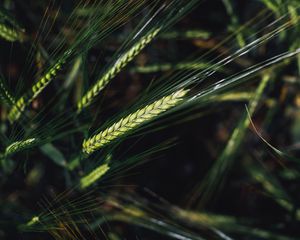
pixel 10 34
pixel 88 97
pixel 18 146
pixel 132 121
pixel 36 89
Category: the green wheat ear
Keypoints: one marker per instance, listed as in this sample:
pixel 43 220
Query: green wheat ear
pixel 18 146
pixel 96 174
pixel 121 62
pixel 33 221
pixel 36 89
pixel 10 34
pixel 5 94
pixel 132 121
pixel 93 176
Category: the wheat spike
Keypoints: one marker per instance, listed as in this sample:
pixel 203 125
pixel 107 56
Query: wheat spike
pixel 89 96
pixel 96 174
pixel 18 146
pixel 5 94
pixel 36 89
pixel 93 176
pixel 33 221
pixel 132 121
pixel 17 109
pixel 10 34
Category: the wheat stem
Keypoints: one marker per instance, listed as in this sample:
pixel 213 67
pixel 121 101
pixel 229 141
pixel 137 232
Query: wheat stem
pixel 132 121
pixel 90 95
pixel 217 174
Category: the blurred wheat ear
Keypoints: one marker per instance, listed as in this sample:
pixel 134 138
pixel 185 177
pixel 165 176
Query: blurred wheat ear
pixel 10 34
